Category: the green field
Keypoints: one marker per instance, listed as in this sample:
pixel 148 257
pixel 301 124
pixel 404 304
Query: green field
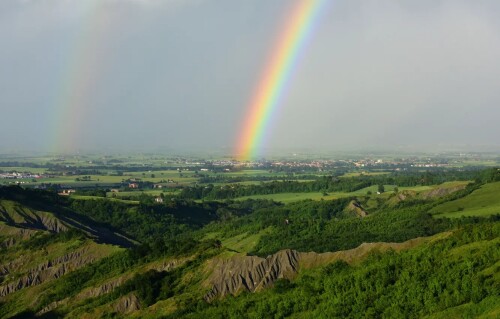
pixel 242 243
pixel 150 192
pixel 260 182
pixel 176 176
pixel 254 172
pixel 111 199
pixel 482 202
pixel 389 189
pixel 356 174
pixel 187 177
pixel 482 162
pixel 38 170
pixel 293 197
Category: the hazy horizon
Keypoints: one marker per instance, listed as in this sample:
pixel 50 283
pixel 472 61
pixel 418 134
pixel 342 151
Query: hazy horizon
pixel 158 75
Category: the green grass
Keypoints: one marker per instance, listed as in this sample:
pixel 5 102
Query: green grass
pixel 487 308
pixel 389 189
pixel 293 197
pixel 34 170
pixel 259 182
pixel 187 176
pixel 150 192
pixel 373 189
pixel 482 202
pixel 242 243
pixel 356 174
pixel 84 197
pixel 483 162
pixel 145 176
pixel 255 172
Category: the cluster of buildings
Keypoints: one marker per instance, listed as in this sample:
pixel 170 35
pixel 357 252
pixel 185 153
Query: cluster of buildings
pixel 16 175
pixel 401 163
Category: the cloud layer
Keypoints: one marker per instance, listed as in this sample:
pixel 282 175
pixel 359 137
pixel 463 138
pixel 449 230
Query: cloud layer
pixel 166 74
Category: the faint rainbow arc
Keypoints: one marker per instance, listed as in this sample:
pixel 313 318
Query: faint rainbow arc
pixel 79 67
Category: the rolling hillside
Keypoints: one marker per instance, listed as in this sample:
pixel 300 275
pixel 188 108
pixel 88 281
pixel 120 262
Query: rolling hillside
pixel 484 201
pixel 250 259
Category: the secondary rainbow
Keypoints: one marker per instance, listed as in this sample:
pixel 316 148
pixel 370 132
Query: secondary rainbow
pixel 276 75
pixel 79 69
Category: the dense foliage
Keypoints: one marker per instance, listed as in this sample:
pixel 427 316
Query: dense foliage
pixel 148 222
pixel 459 270
pixel 121 262
pixel 456 271
pixel 327 226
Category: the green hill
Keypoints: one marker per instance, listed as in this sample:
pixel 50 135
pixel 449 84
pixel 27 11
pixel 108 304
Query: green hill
pixel 369 255
pixel 484 201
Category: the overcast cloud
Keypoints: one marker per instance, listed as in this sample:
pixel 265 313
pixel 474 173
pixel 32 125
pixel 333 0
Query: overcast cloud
pixel 166 74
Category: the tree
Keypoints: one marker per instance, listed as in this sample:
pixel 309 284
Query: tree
pixel 381 188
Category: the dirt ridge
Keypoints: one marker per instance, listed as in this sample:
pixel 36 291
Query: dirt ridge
pixel 252 273
pixel 48 270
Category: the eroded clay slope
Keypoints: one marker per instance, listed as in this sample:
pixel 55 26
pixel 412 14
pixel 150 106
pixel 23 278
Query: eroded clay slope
pixel 20 216
pixel 252 273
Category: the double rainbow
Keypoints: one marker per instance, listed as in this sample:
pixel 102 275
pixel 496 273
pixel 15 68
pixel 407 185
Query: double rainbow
pixel 276 75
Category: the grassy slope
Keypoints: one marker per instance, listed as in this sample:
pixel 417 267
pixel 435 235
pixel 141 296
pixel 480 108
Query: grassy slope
pixel 389 285
pixel 242 243
pixel 482 202
pixel 293 197
pixel 30 258
pixel 245 243
pixel 488 308
pixel 85 197
pixel 195 276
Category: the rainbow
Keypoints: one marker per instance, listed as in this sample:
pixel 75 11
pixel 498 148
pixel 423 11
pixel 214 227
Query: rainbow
pixel 79 70
pixel 276 75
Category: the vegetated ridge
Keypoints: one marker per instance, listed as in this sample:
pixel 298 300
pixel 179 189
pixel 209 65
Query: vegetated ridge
pixel 320 258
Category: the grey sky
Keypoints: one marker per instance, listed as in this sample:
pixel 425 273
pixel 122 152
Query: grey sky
pixel 171 73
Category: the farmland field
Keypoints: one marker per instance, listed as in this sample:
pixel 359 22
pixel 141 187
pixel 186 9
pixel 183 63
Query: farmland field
pixel 293 197
pixel 356 174
pixel 34 170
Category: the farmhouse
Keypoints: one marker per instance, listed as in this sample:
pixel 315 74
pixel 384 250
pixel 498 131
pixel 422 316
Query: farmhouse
pixel 67 192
